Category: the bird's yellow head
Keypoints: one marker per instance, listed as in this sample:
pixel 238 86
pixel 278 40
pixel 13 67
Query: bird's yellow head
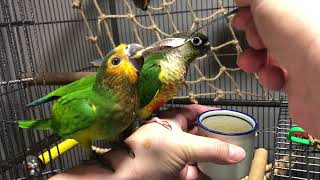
pixel 121 65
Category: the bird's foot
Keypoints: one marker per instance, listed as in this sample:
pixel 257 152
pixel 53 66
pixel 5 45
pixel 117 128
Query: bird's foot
pixel 106 163
pixel 98 158
pixel 121 145
pixel 162 122
pixel 34 165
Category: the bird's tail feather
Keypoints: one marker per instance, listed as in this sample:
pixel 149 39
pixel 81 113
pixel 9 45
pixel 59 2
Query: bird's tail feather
pixel 41 101
pixel 44 124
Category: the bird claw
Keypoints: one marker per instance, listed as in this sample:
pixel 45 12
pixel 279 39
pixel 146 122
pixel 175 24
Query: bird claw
pixel 97 157
pixel 162 122
pixel 34 165
pixel 123 146
pixel 106 163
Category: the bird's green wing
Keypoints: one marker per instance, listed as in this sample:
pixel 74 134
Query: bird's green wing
pixel 64 90
pixel 149 83
pixel 74 112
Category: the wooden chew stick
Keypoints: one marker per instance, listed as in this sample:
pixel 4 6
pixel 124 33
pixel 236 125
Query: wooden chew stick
pixel 259 163
pixel 57 78
pixel 49 78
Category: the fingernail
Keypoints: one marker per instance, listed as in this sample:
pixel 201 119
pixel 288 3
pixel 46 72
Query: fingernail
pixel 236 153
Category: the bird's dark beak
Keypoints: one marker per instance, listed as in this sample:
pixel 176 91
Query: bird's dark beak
pixel 135 55
pixel 207 46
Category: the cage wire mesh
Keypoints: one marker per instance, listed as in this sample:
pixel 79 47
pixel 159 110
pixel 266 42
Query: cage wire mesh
pixel 293 160
pixel 42 36
pixel 148 25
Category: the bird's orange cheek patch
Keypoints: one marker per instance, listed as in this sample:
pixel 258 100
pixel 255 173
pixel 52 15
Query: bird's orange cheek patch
pixel 133 77
pixel 114 70
pixel 130 72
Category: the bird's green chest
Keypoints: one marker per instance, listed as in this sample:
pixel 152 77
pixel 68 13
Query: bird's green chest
pixel 172 71
pixel 111 121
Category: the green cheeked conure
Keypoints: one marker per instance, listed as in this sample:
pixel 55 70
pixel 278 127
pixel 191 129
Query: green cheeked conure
pixel 164 72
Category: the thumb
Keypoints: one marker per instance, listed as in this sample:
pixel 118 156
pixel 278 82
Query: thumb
pixel 203 149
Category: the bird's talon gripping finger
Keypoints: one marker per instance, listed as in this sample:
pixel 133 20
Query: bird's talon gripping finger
pixel 98 158
pixel 104 162
pixel 123 146
pixel 162 122
pixel 165 124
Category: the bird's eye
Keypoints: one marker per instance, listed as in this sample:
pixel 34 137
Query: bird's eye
pixel 196 41
pixel 115 61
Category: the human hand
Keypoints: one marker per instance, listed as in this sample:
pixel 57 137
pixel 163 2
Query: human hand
pixel 161 153
pixel 285 41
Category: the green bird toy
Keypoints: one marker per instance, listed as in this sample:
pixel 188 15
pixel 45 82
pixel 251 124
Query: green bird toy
pixel 98 107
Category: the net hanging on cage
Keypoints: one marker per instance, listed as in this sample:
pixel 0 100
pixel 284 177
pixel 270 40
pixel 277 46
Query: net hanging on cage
pixel 164 7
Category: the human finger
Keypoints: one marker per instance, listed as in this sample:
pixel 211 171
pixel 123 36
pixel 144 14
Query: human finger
pixel 252 60
pixel 242 19
pixel 253 37
pixel 204 149
pixel 272 77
